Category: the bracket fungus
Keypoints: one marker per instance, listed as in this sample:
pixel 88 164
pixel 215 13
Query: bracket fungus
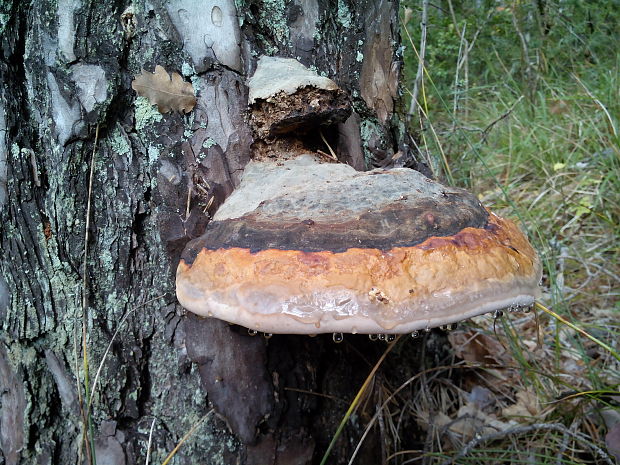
pixel 303 246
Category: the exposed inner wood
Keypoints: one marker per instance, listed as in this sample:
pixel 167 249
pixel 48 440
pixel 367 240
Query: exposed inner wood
pixel 293 123
pixel 302 111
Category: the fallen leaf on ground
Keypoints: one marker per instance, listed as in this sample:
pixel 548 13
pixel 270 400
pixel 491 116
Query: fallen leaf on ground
pixel 527 406
pixel 168 92
pixel 477 347
pixel 471 420
pixel 468 422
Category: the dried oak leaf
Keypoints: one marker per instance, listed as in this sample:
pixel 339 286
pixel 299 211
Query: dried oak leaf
pixel 167 92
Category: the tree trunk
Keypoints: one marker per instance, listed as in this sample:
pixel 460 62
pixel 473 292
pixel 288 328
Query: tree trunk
pixel 66 106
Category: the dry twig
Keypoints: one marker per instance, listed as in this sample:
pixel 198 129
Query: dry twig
pixel 87 438
pixel 517 430
pixel 420 74
pixel 503 116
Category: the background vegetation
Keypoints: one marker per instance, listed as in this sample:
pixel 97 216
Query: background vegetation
pixel 520 102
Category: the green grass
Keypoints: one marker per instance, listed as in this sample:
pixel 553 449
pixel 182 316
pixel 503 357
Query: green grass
pixel 540 146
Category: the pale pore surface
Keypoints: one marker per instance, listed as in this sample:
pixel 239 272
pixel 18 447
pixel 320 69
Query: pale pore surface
pixel 274 75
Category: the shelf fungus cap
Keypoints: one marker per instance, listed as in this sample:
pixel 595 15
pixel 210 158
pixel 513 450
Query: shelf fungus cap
pixel 306 247
pixel 275 75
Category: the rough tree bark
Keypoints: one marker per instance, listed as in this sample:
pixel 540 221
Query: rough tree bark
pixel 66 68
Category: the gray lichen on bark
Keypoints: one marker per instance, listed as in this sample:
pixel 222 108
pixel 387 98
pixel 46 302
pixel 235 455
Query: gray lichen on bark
pixel 43 237
pixel 66 67
pixel 4 148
